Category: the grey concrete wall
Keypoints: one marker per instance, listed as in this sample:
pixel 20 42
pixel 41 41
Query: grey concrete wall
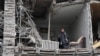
pixel 80 26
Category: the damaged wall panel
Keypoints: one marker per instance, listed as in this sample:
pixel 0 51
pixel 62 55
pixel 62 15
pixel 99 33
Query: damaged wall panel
pixel 9 28
pixel 81 26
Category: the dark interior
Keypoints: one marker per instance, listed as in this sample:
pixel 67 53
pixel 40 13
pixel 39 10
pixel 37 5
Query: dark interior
pixel 2 4
pixel 1 18
pixel 59 1
pixel 95 10
pixel 41 8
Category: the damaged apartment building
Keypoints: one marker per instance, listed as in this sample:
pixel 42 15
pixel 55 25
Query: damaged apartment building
pixel 32 27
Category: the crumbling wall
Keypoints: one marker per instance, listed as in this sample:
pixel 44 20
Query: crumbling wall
pixel 81 26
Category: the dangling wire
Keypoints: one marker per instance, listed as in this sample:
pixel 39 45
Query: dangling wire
pixel 20 24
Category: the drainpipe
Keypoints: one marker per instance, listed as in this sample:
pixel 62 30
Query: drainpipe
pixel 49 23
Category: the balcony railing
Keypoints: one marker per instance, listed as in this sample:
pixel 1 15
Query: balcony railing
pixel 47 44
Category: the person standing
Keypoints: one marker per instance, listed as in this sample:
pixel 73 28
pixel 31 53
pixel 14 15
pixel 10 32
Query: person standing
pixel 63 39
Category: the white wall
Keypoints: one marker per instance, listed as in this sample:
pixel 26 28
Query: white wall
pixel 81 26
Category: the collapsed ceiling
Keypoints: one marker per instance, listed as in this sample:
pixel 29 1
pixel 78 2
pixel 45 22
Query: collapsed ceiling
pixel 41 7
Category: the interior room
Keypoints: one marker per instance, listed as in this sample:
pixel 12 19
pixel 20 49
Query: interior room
pixel 66 17
pixel 72 18
pixel 95 10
